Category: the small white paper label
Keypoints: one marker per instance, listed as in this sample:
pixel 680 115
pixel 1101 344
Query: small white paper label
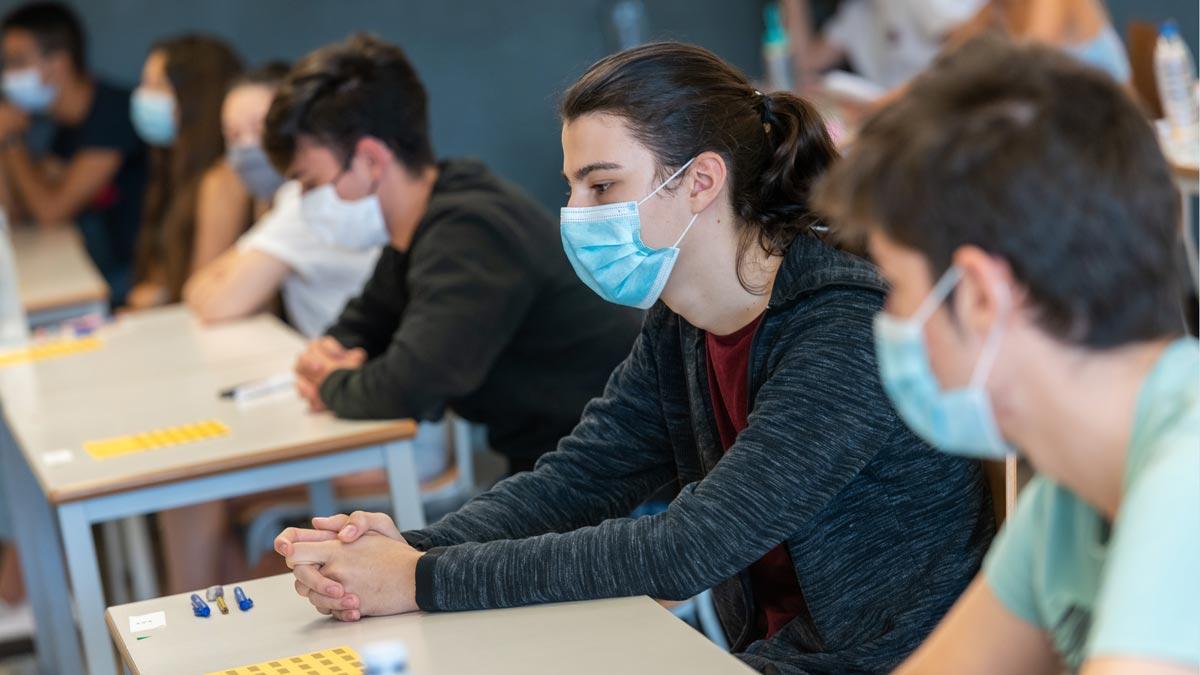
pixel 56 457
pixel 145 622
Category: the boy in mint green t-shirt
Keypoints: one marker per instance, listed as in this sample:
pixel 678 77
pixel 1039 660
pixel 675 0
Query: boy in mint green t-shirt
pixel 1020 206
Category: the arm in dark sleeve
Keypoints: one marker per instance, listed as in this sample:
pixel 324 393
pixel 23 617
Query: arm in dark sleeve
pixel 370 318
pixel 618 454
pixel 816 422
pixel 469 291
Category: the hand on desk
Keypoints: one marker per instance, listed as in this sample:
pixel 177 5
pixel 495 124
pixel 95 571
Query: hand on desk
pixel 349 575
pixel 322 357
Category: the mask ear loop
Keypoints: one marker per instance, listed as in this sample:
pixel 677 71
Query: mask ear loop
pixel 937 296
pixel 685 230
pixel 667 182
pixel 991 349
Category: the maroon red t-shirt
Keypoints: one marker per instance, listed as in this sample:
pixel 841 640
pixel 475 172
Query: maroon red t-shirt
pixel 772 577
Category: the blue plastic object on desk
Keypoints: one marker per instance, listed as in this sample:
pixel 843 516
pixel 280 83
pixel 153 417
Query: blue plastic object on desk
pixel 199 607
pixel 243 602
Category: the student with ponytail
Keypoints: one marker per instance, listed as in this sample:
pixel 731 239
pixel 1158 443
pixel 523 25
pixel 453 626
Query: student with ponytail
pixel 835 539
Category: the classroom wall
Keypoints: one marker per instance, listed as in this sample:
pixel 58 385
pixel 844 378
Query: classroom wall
pixel 494 69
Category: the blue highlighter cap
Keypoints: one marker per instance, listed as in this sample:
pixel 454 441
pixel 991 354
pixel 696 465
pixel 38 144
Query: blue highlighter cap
pixel 199 607
pixel 243 602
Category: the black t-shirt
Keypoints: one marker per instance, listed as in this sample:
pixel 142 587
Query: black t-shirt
pixel 110 222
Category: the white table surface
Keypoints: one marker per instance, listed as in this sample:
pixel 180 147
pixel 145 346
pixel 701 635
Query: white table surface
pixel 159 369
pixel 53 269
pixel 630 636
pixel 156 369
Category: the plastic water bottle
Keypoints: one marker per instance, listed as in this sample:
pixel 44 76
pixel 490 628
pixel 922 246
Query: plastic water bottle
pixel 1177 88
pixel 627 23
pixel 14 330
pixel 775 51
pixel 385 658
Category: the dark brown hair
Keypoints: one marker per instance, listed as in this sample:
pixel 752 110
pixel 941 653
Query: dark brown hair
pixel 681 100
pixel 55 27
pixel 346 91
pixel 200 69
pixel 1034 158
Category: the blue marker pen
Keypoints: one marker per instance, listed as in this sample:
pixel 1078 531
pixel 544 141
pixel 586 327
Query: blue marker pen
pixel 199 607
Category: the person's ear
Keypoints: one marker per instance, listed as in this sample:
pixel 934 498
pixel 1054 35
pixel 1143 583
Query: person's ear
pixel 375 155
pixel 708 174
pixel 985 293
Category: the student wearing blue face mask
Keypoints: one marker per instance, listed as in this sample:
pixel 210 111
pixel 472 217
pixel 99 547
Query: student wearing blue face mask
pixel 834 538
pixel 470 306
pixel 93 172
pixel 1026 219
pixel 196 206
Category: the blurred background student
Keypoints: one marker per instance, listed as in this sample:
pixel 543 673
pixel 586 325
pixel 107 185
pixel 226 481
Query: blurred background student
pixel 885 41
pixel 1080 28
pixel 93 171
pixel 195 204
pixel 314 248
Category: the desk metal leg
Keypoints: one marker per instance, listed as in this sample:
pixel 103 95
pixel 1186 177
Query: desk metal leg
pixel 41 562
pixel 141 557
pixel 403 485
pixel 114 563
pixel 85 583
pixel 321 498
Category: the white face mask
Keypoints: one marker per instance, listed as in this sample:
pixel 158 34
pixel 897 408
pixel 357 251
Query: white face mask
pixel 356 225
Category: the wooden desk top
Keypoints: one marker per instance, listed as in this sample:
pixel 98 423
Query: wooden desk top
pixel 162 369
pixel 54 270
pixel 631 636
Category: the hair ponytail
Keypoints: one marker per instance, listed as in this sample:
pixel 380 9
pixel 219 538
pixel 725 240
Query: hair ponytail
pixel 799 150
pixel 680 100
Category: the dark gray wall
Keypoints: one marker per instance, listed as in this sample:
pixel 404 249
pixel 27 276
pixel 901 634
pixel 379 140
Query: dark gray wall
pixel 494 69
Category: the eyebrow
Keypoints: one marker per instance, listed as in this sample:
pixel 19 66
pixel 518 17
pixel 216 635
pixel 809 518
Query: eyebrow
pixel 594 166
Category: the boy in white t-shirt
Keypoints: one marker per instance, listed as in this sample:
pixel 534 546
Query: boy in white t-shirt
pixel 285 251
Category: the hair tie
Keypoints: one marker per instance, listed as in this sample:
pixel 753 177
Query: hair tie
pixel 768 110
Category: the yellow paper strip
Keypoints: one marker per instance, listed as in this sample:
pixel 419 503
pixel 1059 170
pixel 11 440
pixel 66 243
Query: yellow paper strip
pixel 107 448
pixel 48 350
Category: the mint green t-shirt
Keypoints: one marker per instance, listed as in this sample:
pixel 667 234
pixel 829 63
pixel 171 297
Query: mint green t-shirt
pixel 1131 589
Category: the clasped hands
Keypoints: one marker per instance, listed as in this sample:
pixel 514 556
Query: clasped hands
pixel 320 358
pixel 352 566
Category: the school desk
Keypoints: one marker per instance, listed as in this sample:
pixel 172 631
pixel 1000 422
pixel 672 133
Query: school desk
pixel 55 277
pixel 632 636
pixel 81 423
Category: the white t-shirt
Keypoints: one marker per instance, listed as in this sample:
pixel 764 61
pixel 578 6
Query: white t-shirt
pixel 324 276
pixel 890 41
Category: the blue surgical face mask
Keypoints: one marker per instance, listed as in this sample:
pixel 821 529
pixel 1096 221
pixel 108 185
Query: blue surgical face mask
pixel 604 244
pixel 153 115
pixel 27 90
pixel 956 421
pixel 254 169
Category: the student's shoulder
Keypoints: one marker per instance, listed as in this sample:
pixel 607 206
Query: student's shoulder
pixel 1167 483
pixel 221 181
pixel 108 123
pixel 468 192
pixel 110 106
